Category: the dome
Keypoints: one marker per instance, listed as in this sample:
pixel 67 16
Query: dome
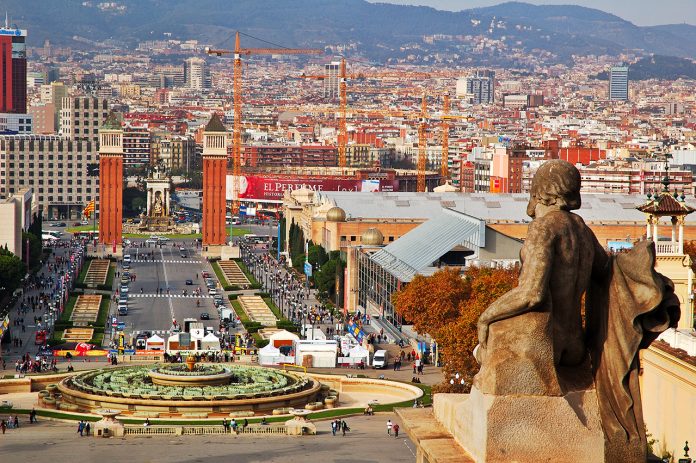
pixel 372 237
pixel 336 214
pixel 445 188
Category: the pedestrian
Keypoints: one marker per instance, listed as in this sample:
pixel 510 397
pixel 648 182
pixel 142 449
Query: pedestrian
pixel 333 427
pixel 244 426
pixel 16 421
pixel 396 430
pixel 344 427
pixel 234 425
pixel 225 425
pixel 80 427
pixel 87 428
pixel 3 426
pixel 32 416
pixel 389 427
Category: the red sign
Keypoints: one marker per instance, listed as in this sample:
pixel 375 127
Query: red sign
pixel 271 187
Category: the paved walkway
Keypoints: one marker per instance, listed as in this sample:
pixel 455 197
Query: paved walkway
pixel 366 442
pixel 10 353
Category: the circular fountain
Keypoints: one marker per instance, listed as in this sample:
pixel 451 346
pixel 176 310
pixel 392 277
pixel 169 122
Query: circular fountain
pixel 188 388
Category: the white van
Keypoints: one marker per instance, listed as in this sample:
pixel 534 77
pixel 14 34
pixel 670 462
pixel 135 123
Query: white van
pixel 380 359
pixel 127 258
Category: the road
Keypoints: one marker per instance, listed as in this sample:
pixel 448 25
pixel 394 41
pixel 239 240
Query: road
pixel 156 296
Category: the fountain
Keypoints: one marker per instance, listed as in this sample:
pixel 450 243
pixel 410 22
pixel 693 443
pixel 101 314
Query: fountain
pixel 157 216
pixel 189 387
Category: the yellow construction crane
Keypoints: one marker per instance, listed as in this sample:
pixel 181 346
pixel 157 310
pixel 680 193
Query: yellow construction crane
pixel 237 98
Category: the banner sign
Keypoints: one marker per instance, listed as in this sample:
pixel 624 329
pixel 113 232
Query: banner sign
pixel 271 187
pixel 356 331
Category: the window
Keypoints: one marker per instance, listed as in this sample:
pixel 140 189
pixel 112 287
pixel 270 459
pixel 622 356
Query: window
pixel 352 238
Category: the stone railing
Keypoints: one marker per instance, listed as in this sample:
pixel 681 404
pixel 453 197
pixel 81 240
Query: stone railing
pixel 139 430
pixel 667 248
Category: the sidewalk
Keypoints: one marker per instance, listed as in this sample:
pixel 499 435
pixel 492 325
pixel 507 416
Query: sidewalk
pixel 10 353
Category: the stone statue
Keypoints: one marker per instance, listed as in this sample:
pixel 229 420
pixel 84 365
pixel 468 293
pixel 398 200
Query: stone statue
pixel 532 341
pixel 157 207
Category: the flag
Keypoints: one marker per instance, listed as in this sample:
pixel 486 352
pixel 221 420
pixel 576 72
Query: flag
pixel 89 209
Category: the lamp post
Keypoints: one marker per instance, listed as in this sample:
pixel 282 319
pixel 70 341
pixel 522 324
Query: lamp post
pixel 686 458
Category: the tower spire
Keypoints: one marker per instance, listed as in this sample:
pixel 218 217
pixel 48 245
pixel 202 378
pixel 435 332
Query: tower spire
pixel 7 20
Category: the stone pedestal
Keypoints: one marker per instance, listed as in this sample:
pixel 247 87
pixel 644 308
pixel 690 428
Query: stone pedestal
pixel 521 428
pixel 212 251
pixel 299 426
pixel 230 252
pixel 108 426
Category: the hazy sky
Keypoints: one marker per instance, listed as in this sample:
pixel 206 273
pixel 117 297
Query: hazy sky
pixel 640 12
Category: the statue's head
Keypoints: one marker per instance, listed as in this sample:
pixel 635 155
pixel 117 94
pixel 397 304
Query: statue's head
pixel 556 183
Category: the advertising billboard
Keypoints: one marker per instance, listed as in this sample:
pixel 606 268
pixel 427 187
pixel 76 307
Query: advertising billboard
pixel 270 188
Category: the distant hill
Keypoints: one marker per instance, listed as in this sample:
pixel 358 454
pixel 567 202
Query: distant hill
pixel 658 67
pixel 381 31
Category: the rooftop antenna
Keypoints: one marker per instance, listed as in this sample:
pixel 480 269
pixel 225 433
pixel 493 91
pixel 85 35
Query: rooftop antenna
pixel 7 21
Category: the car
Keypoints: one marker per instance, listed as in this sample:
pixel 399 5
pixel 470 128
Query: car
pixel 84 222
pixel 124 289
pixel 183 254
pixel 205 316
pixel 150 241
pixel 205 275
pixel 125 280
pixel 212 292
pixel 59 224
pixel 76 224
pixel 189 282
pixel 163 238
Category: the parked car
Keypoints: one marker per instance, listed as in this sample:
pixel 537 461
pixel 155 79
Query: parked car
pixel 205 316
pixel 189 282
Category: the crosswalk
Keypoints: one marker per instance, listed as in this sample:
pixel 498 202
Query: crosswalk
pixel 188 296
pixel 166 261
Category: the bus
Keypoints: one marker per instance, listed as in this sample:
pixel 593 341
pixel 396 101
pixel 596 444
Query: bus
pixel 86 234
pixel 40 337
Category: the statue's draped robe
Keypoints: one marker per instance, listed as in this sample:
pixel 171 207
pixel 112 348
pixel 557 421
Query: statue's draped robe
pixel 626 310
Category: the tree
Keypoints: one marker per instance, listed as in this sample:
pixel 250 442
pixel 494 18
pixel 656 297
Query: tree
pixel 12 271
pixel 35 249
pixel 447 305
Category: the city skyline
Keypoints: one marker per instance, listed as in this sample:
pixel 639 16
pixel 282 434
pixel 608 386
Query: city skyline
pixel 639 12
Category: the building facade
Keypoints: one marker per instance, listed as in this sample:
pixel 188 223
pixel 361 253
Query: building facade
pixel 13 64
pixel 332 76
pixel 56 169
pixel 136 146
pixel 81 117
pixel 177 152
pixel 618 83
pixel 480 87
pixel 197 74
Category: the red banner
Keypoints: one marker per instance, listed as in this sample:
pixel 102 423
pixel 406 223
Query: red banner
pixel 271 187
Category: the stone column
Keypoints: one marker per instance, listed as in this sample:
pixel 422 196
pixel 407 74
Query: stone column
pixel 681 237
pixel 655 235
pixel 648 231
pixel 674 230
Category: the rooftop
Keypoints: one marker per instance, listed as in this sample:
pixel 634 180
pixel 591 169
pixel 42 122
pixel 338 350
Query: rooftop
pixel 492 208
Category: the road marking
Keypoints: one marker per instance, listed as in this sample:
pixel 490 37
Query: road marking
pixel 188 296
pixel 167 261
pixel 166 282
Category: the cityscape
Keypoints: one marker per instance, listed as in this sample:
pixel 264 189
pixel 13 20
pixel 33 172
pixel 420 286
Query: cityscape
pixel 227 234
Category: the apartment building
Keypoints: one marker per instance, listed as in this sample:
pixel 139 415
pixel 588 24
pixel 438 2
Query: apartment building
pixel 81 117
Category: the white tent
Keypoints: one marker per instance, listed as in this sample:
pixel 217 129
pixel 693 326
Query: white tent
pixel 154 343
pixel 269 355
pixel 359 352
pixel 210 342
pixel 282 338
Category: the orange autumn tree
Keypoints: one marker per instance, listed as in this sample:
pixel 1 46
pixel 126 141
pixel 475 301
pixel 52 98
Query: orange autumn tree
pixel 447 305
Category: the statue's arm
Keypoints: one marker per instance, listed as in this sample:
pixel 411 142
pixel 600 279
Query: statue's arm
pixel 533 282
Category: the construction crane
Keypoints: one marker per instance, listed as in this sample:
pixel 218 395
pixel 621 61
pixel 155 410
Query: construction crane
pixel 445 138
pixel 422 142
pixel 237 100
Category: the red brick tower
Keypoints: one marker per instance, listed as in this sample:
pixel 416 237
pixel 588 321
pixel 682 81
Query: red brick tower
pixel 111 184
pixel 214 179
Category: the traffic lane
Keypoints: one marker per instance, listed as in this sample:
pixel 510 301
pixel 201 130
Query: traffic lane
pixel 178 270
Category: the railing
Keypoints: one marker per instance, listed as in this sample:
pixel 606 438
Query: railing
pixel 667 248
pixel 197 430
pixel 149 430
pixel 138 430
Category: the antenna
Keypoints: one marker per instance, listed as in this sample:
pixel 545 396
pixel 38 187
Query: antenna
pixel 7 21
